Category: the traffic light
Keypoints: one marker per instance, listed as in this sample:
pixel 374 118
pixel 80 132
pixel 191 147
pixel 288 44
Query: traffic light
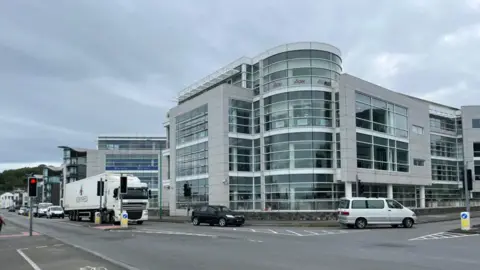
pixel 469 180
pixel 361 188
pixel 100 188
pixel 32 186
pixel 187 190
pixel 123 185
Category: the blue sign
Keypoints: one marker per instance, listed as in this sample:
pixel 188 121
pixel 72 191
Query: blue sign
pixel 125 215
pixel 464 215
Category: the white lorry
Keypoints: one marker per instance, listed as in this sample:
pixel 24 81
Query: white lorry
pixel 81 200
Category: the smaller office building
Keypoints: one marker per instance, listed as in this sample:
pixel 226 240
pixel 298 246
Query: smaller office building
pixel 137 155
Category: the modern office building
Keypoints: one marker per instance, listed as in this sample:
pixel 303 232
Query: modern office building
pixel 288 131
pixel 136 155
pixel 52 178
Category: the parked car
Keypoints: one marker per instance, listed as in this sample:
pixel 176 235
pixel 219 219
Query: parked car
pixel 22 211
pixel 55 211
pixel 359 212
pixel 11 209
pixel 216 214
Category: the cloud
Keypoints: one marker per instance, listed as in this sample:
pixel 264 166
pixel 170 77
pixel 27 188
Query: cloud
pixel 64 78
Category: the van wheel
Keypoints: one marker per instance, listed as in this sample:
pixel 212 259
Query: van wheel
pixel 407 223
pixel 360 223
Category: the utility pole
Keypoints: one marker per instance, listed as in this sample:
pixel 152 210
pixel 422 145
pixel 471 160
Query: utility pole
pixel 101 195
pixel 160 185
pixel 357 186
pixel 465 187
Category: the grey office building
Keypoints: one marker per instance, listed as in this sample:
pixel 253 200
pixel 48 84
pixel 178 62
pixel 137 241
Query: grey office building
pixel 128 154
pixel 288 131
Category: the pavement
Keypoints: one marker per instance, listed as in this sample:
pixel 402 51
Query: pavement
pixel 38 252
pixel 156 245
pixel 312 223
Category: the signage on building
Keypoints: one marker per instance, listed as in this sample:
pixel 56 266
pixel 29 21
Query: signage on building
pixel 131 168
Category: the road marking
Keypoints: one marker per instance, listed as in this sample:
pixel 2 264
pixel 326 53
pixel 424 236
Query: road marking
pixel 58 245
pixel 172 233
pixel 32 263
pixel 273 231
pixel 310 232
pixel 256 241
pixel 253 230
pixel 441 235
pixel 294 232
pixel 41 247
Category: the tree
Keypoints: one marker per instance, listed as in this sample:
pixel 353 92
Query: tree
pixel 12 179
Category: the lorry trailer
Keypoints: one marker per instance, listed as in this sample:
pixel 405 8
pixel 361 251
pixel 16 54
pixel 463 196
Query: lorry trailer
pixel 81 200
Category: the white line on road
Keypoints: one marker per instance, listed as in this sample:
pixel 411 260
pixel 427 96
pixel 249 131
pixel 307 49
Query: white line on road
pixel 310 232
pixel 32 263
pixel 252 230
pixel 294 232
pixel 273 231
pixel 176 233
pixel 42 246
pixel 256 241
pixel 58 245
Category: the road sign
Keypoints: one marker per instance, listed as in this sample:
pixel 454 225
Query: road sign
pixel 465 220
pixel 124 220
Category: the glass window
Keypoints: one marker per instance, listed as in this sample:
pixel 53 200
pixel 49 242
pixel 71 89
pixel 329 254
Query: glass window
pixel 418 162
pixel 394 204
pixel 359 204
pixel 475 123
pixel 375 204
pixel 417 129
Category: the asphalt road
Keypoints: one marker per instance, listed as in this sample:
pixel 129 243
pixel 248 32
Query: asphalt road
pixel 40 252
pixel 182 246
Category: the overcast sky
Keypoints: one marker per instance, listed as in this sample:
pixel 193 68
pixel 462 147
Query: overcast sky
pixel 70 70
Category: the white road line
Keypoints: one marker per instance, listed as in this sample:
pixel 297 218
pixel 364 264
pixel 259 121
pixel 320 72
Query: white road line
pixel 58 245
pixel 177 233
pixel 310 232
pixel 252 230
pixel 32 263
pixel 42 246
pixel 273 231
pixel 294 232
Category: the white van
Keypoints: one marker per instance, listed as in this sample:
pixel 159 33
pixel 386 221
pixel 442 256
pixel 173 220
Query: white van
pixel 359 212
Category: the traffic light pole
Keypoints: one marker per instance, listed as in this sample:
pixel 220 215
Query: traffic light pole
pixel 465 187
pixel 31 216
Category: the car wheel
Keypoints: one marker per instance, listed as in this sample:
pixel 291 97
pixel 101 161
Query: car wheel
pixel 222 222
pixel 360 223
pixel 408 223
pixel 195 221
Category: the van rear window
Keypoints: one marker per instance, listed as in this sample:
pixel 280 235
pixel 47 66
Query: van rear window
pixel 344 204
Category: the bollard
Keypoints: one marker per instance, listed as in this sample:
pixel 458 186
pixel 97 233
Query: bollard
pixel 98 219
pixel 124 219
pixel 465 221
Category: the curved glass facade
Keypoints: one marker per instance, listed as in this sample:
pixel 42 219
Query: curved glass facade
pixel 303 81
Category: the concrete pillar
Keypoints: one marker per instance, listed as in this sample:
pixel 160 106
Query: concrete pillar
pixel 422 196
pixel 348 189
pixel 390 191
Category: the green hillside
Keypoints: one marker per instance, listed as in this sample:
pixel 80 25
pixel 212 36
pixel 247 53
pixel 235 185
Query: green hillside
pixel 11 179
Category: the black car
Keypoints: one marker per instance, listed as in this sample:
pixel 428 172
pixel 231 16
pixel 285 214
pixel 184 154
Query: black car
pixel 11 209
pixel 216 214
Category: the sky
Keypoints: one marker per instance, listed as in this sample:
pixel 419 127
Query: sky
pixel 71 70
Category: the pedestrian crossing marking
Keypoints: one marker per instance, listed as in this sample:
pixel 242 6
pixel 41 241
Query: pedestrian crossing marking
pixel 441 235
